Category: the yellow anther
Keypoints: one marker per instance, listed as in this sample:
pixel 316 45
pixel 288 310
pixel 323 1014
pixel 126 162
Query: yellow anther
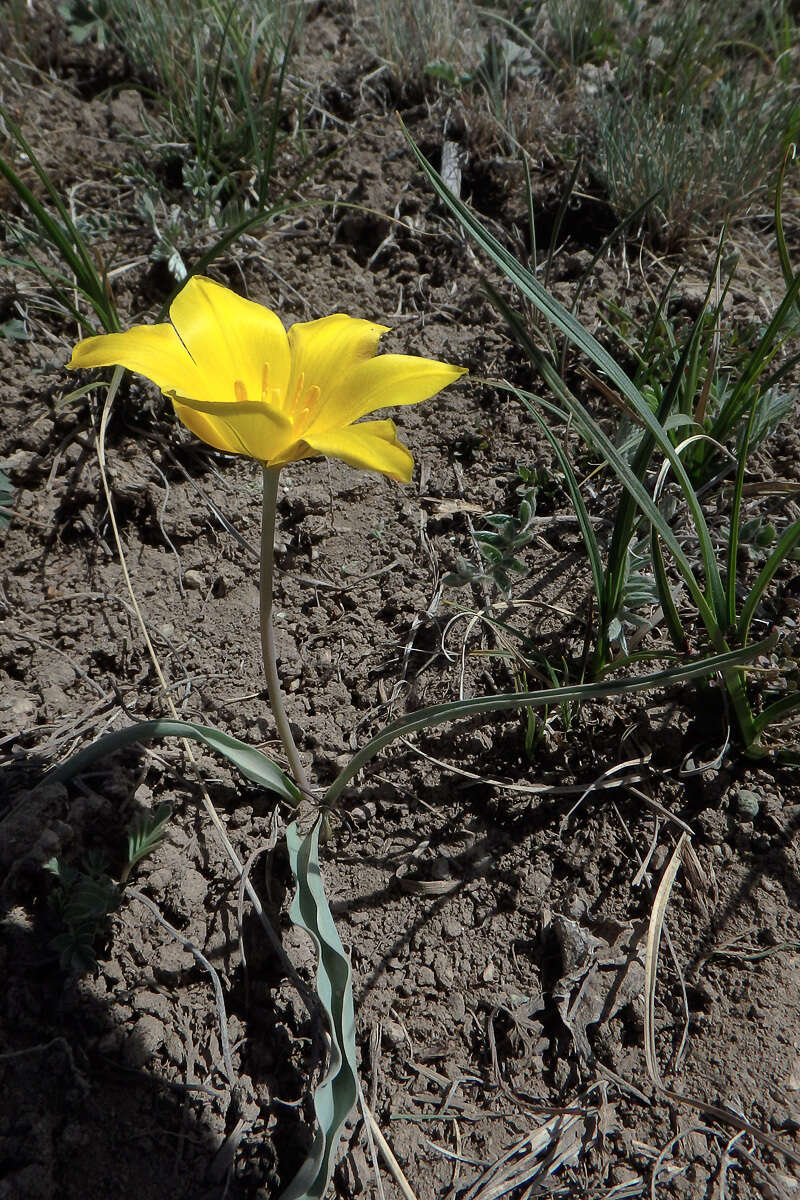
pixel 305 410
pixel 240 391
pixel 312 399
pixel 294 403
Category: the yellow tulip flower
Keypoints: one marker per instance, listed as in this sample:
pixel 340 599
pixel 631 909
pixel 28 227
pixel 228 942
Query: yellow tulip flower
pixel 243 384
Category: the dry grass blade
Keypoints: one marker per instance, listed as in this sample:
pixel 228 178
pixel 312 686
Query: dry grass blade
pixel 725 1115
pixel 605 782
pixel 677 1057
pixel 387 1155
pixel 374 1057
pixel 725 1162
pixel 602 780
pixel 775 1185
pixel 207 802
pixel 669 1166
pixel 651 959
pixel 537 1156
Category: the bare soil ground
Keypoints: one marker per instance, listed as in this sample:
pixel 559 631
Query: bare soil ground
pixel 496 930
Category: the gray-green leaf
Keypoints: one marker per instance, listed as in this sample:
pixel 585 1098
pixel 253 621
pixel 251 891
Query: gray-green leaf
pixel 254 765
pixel 338 1091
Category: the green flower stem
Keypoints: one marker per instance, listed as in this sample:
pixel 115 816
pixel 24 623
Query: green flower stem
pixel 274 692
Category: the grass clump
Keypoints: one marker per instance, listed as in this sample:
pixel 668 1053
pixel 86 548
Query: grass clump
pixel 704 585
pixel 218 71
pixel 579 31
pixel 215 77
pixel 697 113
pixel 722 373
pixel 414 37
pixel 690 108
pixel 48 241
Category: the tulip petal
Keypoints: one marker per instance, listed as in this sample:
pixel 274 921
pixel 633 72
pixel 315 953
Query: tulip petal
pixel 213 433
pixel 382 382
pixel 240 427
pixel 326 351
pixel 370 446
pixel 230 339
pixel 154 351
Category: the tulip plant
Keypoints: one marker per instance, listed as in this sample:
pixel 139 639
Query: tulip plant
pixel 245 386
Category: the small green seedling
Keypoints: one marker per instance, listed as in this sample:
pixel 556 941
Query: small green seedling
pixel 499 547
pixel 85 896
pixel 80 904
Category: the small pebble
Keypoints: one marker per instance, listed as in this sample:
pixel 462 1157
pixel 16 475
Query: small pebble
pixel 451 926
pixel 194 580
pixel 393 1032
pixel 152 1002
pixel 143 1041
pixel 747 804
pixel 192 886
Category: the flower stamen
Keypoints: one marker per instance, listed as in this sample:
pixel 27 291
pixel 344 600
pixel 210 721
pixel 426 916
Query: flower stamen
pixel 294 403
pixel 270 396
pixel 240 391
pixel 302 419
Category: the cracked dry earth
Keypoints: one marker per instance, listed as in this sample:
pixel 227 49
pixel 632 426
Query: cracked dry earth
pixel 494 910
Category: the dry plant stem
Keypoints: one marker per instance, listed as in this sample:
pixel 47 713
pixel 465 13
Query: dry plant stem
pixel 270 499
pixel 207 803
pixel 386 1151
pixel 725 1115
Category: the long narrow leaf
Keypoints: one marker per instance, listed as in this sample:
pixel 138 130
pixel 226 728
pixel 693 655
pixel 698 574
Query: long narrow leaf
pixel 6 500
pixel 561 212
pixel 736 512
pixel 277 109
pixel 645 501
pixel 665 599
pixel 254 765
pixel 785 544
pixel 65 236
pixel 776 711
pixel 780 236
pixel 337 1093
pixel 580 337
pixel 623 523
pixel 53 231
pixel 441 714
pixel 759 359
pixel 652 332
pixel 54 282
pixel 210 106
